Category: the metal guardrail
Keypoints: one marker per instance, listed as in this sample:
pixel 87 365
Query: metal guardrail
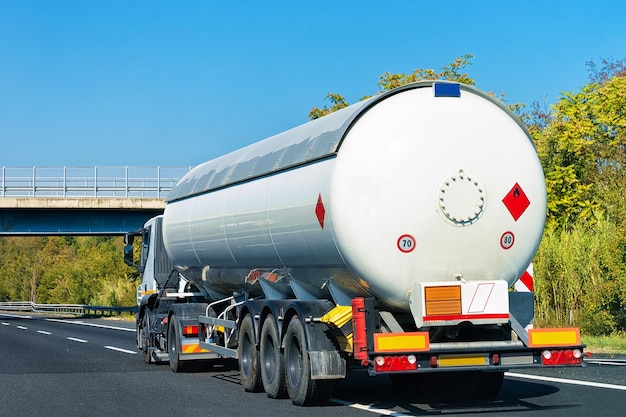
pixel 89 182
pixel 81 310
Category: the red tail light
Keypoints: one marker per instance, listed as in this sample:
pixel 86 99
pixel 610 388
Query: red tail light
pixel 562 357
pixel 190 330
pixel 395 363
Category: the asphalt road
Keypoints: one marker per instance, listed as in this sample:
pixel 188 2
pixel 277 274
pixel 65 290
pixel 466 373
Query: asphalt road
pixel 68 367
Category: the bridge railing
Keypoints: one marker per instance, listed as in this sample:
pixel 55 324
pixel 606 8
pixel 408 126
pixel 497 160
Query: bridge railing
pixel 89 182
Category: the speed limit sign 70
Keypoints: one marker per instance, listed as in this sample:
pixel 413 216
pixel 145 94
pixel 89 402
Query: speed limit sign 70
pixel 406 243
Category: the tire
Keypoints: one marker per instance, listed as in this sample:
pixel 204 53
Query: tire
pixel 173 346
pixel 143 338
pixel 272 360
pixel 249 368
pixel 301 388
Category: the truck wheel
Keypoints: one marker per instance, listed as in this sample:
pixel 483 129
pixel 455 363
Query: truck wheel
pixel 248 357
pixel 143 338
pixel 173 345
pixel 272 361
pixel 301 388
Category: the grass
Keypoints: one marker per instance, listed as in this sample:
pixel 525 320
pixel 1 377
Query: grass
pixel 614 344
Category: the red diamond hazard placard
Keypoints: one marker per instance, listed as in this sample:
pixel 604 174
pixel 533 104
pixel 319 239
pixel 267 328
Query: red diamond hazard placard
pixel 516 201
pixel 320 211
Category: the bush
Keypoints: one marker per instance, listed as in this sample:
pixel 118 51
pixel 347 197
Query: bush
pixel 579 279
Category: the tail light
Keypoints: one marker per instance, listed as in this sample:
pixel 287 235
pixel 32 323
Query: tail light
pixel 562 357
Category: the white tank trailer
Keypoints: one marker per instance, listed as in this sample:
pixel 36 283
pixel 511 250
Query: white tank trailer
pixel 387 234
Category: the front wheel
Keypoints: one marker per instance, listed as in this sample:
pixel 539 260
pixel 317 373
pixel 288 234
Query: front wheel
pixel 143 337
pixel 302 389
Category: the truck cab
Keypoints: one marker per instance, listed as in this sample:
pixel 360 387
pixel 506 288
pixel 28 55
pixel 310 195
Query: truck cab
pixel 167 302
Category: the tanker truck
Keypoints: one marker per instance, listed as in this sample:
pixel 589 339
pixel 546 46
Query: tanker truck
pixel 386 237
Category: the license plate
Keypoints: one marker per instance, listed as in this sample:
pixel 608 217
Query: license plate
pixel 463 360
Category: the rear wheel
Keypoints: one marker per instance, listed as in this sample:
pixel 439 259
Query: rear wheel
pixel 272 360
pixel 173 345
pixel 302 389
pixel 249 368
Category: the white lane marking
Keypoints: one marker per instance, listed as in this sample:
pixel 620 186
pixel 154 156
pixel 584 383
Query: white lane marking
pixel 82 323
pixel 73 339
pixel 392 413
pixel 22 328
pixel 43 332
pixel 567 381
pixel 613 362
pixel 15 316
pixel 132 352
pixel 371 409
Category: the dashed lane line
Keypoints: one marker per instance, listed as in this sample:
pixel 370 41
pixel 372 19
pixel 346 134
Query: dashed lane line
pixel 15 316
pixel 101 326
pixel 131 352
pixel 74 339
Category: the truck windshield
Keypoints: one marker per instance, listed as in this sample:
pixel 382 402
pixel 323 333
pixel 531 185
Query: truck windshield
pixel 145 244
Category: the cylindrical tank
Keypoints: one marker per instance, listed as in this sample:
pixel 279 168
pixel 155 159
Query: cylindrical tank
pixel 433 181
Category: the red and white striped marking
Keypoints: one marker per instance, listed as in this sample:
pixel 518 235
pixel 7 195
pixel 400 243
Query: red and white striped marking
pixel 526 282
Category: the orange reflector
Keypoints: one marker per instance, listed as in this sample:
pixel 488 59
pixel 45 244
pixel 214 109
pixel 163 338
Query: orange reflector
pixel 193 348
pixel 190 330
pixel 444 300
pixel 401 342
pixel 553 337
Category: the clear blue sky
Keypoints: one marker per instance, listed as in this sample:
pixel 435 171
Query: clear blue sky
pixel 121 82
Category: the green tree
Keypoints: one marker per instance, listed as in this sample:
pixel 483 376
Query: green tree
pixel 582 148
pixel 389 81
pixel 81 270
pixel 581 262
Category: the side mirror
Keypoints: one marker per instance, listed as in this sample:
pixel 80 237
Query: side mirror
pixel 129 238
pixel 129 255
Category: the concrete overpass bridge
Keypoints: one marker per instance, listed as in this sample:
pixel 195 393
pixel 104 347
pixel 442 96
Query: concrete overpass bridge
pixel 82 200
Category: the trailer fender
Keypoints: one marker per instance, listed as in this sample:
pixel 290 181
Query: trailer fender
pixel 323 348
pixel 188 313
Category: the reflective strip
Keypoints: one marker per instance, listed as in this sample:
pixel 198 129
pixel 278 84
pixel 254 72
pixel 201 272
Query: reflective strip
pixel 553 337
pixel 463 360
pixel 402 342
pixel 193 348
